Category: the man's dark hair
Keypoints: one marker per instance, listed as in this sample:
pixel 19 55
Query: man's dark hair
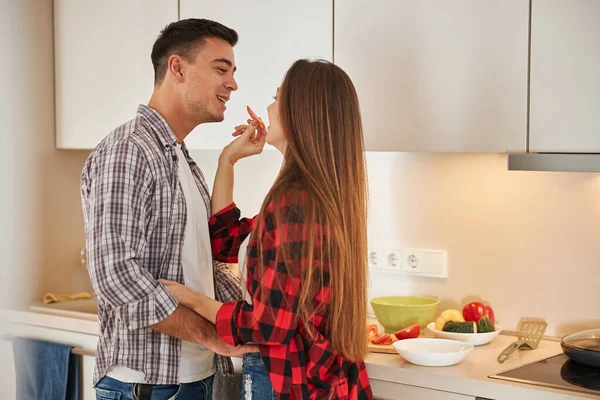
pixel 184 38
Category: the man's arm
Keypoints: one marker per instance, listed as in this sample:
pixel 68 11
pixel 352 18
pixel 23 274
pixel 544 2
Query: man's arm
pixel 118 213
pixel 186 325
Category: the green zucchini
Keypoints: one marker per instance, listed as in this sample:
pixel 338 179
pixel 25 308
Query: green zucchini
pixel 485 325
pixel 460 327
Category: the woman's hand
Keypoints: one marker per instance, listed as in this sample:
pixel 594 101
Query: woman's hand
pixel 224 349
pixel 250 140
pixel 183 294
pixel 253 117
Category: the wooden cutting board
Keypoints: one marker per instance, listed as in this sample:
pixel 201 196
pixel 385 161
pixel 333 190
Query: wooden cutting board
pixel 377 348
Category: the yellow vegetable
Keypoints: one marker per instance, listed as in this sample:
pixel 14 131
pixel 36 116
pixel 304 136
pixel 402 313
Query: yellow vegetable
pixel 448 315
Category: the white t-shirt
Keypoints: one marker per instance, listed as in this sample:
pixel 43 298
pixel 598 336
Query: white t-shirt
pixel 242 267
pixel 196 361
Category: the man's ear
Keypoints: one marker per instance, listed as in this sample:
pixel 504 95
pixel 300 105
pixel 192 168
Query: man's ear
pixel 176 67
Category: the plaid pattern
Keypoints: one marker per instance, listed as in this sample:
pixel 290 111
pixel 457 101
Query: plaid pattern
pixel 299 367
pixel 134 214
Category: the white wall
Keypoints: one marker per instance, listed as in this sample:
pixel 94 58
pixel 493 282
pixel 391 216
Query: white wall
pixel 527 242
pixel 26 133
pixel 27 118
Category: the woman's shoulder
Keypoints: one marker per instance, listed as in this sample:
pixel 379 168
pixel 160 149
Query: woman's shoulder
pixel 286 207
pixel 293 198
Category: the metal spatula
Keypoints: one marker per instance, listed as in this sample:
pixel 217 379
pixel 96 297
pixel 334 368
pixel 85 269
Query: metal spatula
pixel 531 332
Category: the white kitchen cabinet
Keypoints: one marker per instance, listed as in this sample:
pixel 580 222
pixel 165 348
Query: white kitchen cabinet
pixel 88 362
pixel 565 78
pixel 8 383
pixel 7 370
pixel 38 328
pixel 437 76
pixel 383 390
pixel 103 69
pixel 272 35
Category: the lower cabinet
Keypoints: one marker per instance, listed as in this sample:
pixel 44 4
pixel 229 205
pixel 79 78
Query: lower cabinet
pixel 7 371
pixel 87 391
pixel 84 347
pixel 383 390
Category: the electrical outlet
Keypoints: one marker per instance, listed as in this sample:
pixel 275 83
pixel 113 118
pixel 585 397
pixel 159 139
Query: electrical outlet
pixel 412 261
pixel 375 258
pixel 393 260
pixel 426 263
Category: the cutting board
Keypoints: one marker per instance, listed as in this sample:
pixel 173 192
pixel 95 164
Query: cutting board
pixel 376 348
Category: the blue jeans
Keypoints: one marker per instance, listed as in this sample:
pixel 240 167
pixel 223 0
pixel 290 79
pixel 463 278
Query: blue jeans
pixel 112 389
pixel 256 384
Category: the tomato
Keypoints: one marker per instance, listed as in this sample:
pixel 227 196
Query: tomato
pixel 475 310
pixel 411 332
pixel 383 339
pixel 487 310
pixel 372 331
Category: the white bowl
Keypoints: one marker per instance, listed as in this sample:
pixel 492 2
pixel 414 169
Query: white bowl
pixel 476 339
pixel 432 352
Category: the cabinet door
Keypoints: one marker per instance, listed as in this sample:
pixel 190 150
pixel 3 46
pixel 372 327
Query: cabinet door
pixel 8 382
pixel 272 35
pixel 383 390
pixel 435 75
pixel 103 69
pixel 8 385
pixel 565 76
pixel 87 376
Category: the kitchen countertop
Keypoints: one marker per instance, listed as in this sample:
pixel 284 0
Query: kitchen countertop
pixel 82 309
pixel 470 377
pixel 73 323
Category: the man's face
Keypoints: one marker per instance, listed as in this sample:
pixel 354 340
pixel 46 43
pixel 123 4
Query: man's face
pixel 209 81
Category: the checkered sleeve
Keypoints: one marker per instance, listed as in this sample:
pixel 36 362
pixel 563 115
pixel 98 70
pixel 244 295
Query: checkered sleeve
pixel 274 319
pixel 120 214
pixel 227 232
pixel 227 285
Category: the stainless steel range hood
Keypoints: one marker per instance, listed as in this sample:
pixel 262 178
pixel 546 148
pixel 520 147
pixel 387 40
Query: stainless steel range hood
pixel 569 162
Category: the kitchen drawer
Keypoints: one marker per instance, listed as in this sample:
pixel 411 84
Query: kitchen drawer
pixel 383 390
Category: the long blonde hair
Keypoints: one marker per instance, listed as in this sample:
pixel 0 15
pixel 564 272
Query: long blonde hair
pixel 324 160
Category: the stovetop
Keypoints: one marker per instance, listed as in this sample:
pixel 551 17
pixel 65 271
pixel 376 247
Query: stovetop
pixel 556 372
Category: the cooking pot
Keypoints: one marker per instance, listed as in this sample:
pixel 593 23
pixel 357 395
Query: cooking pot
pixel 583 347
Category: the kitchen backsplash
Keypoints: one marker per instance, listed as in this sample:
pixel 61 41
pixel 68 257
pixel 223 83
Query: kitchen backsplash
pixel 526 242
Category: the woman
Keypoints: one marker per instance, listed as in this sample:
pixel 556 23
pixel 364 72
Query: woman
pixel 307 251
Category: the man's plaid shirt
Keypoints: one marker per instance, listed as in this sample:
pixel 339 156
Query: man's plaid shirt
pixel 135 213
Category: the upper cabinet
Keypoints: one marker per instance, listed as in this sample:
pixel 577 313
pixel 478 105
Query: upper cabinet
pixel 431 75
pixel 272 35
pixel 437 76
pixel 565 76
pixel 102 64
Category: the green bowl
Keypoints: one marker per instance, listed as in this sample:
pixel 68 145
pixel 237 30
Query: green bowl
pixel 398 312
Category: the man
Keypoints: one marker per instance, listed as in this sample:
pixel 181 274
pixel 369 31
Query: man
pixel 146 208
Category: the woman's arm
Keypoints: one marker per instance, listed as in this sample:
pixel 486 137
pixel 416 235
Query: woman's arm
pixel 222 194
pixel 247 144
pixel 199 303
pixel 227 230
pixel 227 233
